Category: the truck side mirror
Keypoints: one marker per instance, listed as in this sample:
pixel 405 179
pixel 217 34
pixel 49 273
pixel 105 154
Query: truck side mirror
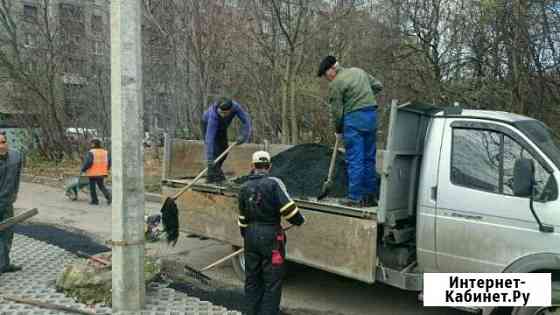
pixel 523 178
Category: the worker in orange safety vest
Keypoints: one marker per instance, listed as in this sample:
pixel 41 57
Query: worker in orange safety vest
pixel 96 167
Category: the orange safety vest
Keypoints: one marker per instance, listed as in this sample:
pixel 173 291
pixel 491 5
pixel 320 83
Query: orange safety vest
pixel 100 165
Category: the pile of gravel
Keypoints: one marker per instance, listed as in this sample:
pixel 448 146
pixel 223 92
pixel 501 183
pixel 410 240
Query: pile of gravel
pixel 304 168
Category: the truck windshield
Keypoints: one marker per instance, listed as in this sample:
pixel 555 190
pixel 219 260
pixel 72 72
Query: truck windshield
pixel 542 136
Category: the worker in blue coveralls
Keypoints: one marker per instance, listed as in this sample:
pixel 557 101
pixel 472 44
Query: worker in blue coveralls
pixel 353 105
pixel 215 123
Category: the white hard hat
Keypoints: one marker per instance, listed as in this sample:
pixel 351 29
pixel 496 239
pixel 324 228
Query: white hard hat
pixel 261 157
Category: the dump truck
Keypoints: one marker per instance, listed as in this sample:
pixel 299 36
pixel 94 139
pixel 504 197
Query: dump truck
pixel 462 191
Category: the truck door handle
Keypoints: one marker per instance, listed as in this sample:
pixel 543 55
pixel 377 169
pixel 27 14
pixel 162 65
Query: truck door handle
pixel 468 217
pixel 433 193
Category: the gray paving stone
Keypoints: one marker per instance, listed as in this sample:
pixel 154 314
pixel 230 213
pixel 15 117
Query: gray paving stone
pixel 43 262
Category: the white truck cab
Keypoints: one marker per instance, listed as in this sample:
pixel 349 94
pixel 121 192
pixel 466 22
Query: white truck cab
pixel 482 191
pixel 467 195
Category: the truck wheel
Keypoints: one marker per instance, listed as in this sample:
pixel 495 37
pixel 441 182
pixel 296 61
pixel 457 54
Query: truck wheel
pixel 238 263
pixel 534 310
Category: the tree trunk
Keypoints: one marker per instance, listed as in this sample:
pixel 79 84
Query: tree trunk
pixel 285 92
pixel 293 112
pixel 293 86
pixel 520 55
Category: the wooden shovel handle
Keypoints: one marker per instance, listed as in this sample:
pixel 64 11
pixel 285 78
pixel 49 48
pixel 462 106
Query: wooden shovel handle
pixel 333 160
pixel 94 258
pixel 195 180
pixel 46 305
pixel 17 219
pixel 228 257
pixel 221 260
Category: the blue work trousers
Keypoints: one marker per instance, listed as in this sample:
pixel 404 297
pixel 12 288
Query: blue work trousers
pixel 359 134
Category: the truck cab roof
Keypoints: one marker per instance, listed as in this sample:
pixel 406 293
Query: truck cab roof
pixel 490 114
pixel 537 131
pixel 458 111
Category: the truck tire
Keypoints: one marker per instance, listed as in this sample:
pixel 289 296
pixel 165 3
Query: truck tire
pixel 238 264
pixel 534 311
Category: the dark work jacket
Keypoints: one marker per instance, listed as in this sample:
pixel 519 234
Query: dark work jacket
pixel 10 173
pixel 263 199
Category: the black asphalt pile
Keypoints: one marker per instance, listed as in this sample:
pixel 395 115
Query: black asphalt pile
pixel 304 168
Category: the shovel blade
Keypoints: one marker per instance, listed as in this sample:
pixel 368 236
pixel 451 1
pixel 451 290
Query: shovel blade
pixel 326 190
pixel 170 220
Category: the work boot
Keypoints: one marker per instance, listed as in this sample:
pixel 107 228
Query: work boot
pixel 216 177
pixel 370 200
pixel 218 181
pixel 11 268
pixel 94 203
pixel 212 174
pixel 351 203
pixel 221 177
pixel 212 179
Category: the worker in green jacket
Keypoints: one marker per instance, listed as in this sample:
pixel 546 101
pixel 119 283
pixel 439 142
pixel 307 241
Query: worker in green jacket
pixel 353 105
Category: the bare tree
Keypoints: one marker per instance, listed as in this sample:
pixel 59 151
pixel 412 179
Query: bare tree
pixel 30 54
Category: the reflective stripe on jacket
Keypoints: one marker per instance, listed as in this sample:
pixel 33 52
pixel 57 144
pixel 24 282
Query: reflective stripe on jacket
pixel 100 164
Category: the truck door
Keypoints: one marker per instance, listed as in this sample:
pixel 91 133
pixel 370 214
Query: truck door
pixel 480 225
pixel 401 161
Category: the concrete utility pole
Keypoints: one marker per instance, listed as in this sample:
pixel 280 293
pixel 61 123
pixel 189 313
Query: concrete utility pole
pixel 129 290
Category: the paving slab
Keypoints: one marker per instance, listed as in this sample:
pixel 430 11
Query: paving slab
pixel 43 262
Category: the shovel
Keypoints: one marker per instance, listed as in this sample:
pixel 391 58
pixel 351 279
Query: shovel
pixel 17 219
pixel 327 185
pixel 199 274
pixel 169 211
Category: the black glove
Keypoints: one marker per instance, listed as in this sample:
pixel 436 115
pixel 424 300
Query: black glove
pixel 240 140
pixel 339 126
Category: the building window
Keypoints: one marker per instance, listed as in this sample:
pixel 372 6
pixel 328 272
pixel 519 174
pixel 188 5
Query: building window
pixel 71 18
pixel 71 41
pixel 231 3
pixel 29 40
pixel 74 66
pixel 30 67
pixel 30 12
pixel 69 11
pixel 96 24
pixel 97 47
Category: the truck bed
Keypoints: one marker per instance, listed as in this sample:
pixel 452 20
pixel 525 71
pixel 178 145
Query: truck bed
pixel 329 240
pixel 328 205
